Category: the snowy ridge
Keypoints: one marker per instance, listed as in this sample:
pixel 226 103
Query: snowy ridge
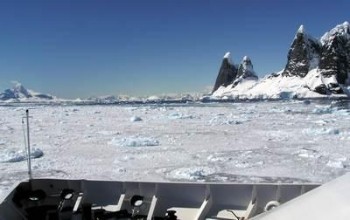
pixel 340 30
pixel 278 87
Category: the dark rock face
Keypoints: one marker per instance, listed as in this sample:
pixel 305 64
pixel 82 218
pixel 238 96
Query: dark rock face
pixel 335 59
pixel 227 74
pixel 302 56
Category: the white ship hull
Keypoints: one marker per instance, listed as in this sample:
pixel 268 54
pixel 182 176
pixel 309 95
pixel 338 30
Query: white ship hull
pixel 53 199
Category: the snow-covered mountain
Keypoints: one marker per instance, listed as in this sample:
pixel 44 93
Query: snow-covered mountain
pixel 315 68
pixel 19 93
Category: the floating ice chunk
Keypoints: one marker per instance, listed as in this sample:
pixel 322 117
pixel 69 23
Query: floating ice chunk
pixel 177 115
pixel 2 142
pixel 279 110
pixel 190 173
pixel 134 141
pixel 321 122
pixel 330 110
pixel 323 110
pixel 276 110
pixel 308 153
pixel 20 155
pixel 135 119
pixel 217 158
pixel 242 164
pixel 335 164
pixel 321 131
pixel 220 120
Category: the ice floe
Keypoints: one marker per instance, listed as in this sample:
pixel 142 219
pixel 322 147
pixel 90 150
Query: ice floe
pixel 323 109
pixel 190 173
pixel 177 115
pixel 222 141
pixel 321 131
pixel 308 153
pixel 337 161
pixel 135 119
pixel 134 141
pixel 336 164
pixel 217 158
pixel 222 120
pixel 12 156
pixel 329 109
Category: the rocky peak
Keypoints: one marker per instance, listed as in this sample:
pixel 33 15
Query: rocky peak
pixel 246 69
pixel 303 54
pixel 227 72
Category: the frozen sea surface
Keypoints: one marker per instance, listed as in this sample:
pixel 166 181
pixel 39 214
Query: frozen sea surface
pixel 291 141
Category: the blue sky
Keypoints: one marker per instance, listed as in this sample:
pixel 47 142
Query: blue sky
pixel 83 48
